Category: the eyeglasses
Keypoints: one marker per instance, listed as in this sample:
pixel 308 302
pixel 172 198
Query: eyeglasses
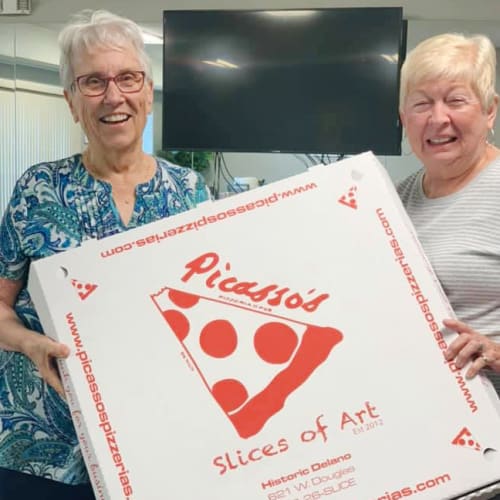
pixel 94 85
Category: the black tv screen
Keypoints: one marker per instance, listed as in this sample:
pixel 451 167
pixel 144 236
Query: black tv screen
pixel 300 81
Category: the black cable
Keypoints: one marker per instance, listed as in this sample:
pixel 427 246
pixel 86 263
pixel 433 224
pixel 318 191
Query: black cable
pixel 301 159
pixel 216 181
pixel 231 184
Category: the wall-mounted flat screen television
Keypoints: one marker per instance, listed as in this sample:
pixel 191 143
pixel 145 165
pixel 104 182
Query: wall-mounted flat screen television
pixel 299 81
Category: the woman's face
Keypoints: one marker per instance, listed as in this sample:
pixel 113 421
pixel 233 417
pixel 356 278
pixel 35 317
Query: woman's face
pixel 446 125
pixel 113 122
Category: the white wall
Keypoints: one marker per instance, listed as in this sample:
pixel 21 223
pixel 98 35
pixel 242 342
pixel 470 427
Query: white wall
pixel 35 126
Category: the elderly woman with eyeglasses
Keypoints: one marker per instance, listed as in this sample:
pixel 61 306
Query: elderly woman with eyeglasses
pixel 111 187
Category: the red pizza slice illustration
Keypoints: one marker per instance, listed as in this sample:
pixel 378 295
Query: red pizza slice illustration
pixel 226 342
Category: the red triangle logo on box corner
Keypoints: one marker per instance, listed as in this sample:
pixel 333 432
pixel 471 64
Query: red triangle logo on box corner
pixel 349 199
pixel 83 289
pixel 464 439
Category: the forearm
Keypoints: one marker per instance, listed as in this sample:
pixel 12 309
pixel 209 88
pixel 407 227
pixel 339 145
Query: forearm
pixel 41 350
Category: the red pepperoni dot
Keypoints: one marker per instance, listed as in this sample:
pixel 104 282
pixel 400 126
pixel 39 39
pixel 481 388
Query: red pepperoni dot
pixel 178 322
pixel 230 394
pixel 183 299
pixel 218 338
pixel 275 342
pixel 88 286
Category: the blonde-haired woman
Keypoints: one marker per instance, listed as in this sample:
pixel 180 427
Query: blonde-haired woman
pixel 448 107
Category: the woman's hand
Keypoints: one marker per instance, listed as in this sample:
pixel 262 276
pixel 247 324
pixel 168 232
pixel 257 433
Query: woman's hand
pixel 43 352
pixel 471 346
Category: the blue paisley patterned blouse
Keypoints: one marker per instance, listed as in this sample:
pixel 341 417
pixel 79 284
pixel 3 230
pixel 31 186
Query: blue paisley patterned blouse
pixel 56 206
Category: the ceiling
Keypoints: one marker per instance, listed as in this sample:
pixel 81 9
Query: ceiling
pixel 150 11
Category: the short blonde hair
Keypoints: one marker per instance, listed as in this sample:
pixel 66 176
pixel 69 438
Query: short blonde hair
pixel 98 28
pixel 452 56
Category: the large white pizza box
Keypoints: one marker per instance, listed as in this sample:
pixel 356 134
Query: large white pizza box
pixel 284 343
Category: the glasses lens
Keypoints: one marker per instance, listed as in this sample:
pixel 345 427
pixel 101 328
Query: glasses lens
pixel 131 81
pixel 91 85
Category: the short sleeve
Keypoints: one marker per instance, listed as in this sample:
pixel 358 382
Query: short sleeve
pixel 13 262
pixel 39 220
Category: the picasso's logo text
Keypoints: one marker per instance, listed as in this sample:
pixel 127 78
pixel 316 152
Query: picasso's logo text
pixel 207 265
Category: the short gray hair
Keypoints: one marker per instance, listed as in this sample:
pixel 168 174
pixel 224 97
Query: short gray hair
pixel 98 28
pixel 452 56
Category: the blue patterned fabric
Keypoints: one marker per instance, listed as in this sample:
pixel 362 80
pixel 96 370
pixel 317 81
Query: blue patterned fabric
pixel 56 206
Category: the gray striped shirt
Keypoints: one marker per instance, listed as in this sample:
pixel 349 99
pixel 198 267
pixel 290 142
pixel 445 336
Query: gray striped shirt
pixel 460 234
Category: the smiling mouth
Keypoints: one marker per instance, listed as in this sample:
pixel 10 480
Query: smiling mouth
pixel 112 119
pixel 441 140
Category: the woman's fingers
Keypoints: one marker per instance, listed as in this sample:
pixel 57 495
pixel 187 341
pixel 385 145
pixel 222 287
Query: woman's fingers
pixel 471 347
pixel 44 351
